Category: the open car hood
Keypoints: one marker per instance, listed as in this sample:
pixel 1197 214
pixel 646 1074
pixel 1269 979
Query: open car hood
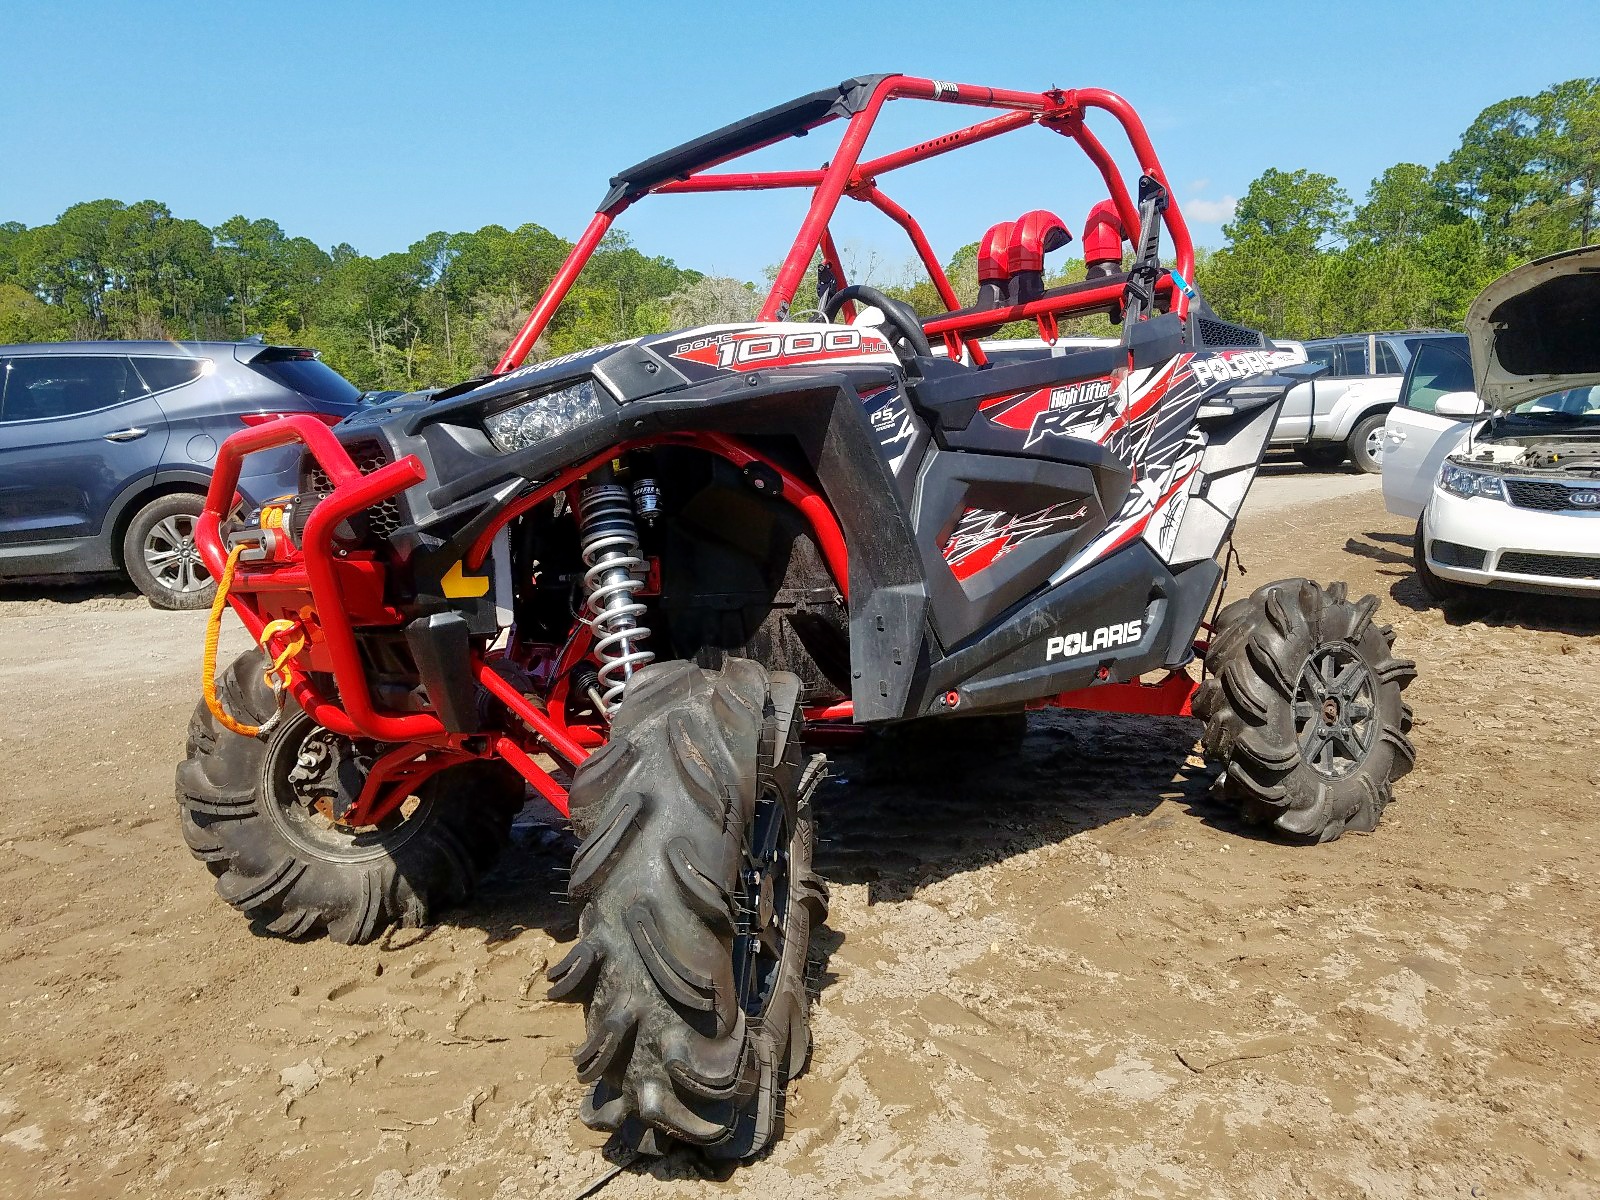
pixel 1536 329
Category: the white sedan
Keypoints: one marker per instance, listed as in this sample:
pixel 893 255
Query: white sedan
pixel 1504 481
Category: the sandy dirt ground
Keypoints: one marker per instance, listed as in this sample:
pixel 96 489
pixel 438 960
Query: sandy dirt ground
pixel 1061 975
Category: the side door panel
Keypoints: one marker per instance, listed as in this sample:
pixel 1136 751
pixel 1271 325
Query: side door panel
pixel 1416 440
pixel 1315 395
pixel 1000 526
pixel 1334 395
pixel 60 465
pixel 1415 445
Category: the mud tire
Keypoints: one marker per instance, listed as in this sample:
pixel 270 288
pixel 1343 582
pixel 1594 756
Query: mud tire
pixel 1279 768
pixel 666 812
pixel 402 875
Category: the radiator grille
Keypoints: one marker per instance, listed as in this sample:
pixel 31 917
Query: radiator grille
pixel 1559 566
pixel 381 519
pixel 1549 496
pixel 1220 333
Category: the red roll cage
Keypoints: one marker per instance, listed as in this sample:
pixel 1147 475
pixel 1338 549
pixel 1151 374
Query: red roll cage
pixel 688 168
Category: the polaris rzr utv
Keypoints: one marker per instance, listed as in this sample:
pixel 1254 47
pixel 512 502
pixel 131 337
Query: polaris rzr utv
pixel 637 579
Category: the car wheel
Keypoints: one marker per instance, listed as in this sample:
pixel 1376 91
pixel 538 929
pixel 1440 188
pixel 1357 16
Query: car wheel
pixel 1366 443
pixel 160 555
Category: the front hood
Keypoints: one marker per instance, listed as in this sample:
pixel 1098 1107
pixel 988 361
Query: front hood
pixel 1536 329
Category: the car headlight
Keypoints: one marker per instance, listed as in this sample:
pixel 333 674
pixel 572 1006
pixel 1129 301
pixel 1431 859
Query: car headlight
pixel 546 416
pixel 1462 481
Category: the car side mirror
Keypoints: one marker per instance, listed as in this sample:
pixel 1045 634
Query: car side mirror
pixel 1459 404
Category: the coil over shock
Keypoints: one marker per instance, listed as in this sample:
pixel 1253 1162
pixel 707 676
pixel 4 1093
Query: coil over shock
pixel 614 569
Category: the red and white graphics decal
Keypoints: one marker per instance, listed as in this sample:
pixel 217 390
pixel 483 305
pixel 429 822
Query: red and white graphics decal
pixel 1073 410
pixel 1229 365
pixel 983 536
pixel 1156 435
pixel 780 345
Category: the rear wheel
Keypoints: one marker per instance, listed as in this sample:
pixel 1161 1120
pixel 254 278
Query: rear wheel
pixel 1366 443
pixel 1302 707
pixel 160 555
pixel 257 812
pixel 698 899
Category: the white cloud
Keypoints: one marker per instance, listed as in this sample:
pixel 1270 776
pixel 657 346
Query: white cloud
pixel 1211 211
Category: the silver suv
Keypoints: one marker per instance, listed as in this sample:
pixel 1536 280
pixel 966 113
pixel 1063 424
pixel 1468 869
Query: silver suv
pixel 1340 414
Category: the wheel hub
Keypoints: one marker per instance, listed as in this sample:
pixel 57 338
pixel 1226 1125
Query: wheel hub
pixel 1335 710
pixel 172 556
pixel 762 906
pixel 327 778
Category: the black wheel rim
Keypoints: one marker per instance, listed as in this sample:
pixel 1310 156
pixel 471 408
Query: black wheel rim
pixel 307 819
pixel 762 902
pixel 1335 711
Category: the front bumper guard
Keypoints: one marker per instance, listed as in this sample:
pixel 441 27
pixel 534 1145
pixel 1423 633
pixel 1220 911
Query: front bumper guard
pixel 332 587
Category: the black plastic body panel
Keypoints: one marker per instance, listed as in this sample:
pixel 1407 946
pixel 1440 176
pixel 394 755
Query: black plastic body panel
pixel 821 411
pixel 1011 663
pixel 951 399
pixel 898 485
pixel 441 645
pixel 952 483
pixel 782 120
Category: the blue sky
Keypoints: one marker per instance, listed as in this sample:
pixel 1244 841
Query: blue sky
pixel 375 123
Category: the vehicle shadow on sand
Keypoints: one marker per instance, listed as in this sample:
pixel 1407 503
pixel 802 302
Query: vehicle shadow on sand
pixel 1290 467
pixel 899 822
pixel 67 589
pixel 1475 606
pixel 900 825
pixel 1517 610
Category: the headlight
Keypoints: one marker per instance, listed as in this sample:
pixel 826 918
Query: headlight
pixel 545 416
pixel 1460 481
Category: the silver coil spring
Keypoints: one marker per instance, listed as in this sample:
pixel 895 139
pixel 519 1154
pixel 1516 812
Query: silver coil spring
pixel 614 569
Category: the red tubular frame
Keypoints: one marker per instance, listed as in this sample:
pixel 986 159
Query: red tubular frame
pixel 810 502
pixel 352 493
pixel 318 573
pixel 845 174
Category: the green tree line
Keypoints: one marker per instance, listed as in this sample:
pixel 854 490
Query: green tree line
pixel 1301 260
pixel 439 311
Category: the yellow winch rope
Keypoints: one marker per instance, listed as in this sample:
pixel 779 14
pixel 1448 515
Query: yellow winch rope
pixel 276 675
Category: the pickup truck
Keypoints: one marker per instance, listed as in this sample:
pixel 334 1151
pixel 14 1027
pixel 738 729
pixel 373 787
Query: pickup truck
pixel 1339 415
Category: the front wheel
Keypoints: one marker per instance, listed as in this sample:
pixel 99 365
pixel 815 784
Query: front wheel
pixel 1302 708
pixel 160 556
pixel 1366 443
pixel 261 813
pixel 698 902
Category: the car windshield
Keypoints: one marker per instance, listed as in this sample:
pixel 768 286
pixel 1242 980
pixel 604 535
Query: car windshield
pixel 1570 406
